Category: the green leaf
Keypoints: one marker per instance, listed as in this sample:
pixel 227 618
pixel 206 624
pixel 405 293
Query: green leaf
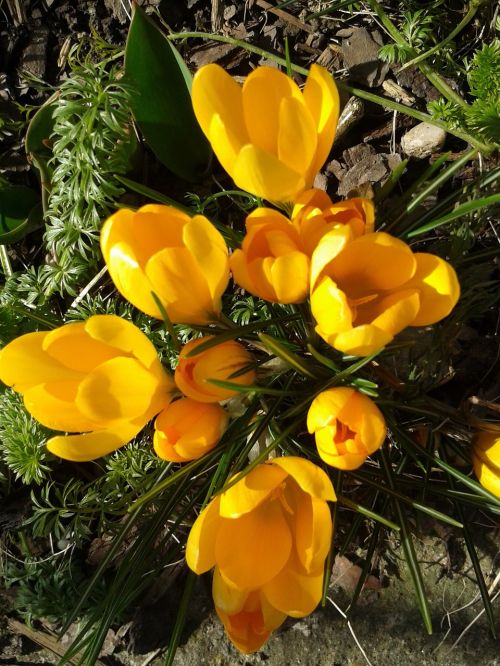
pixel 161 100
pixel 20 212
pixel 37 141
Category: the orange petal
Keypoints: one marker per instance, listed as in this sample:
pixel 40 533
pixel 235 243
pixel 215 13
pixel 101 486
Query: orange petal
pixel 309 476
pixel 253 489
pixel 200 546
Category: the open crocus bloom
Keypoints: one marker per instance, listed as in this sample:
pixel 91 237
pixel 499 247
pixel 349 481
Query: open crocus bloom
pixel 271 137
pixel 486 460
pixel 267 536
pixel 187 429
pixel 101 377
pixel 366 290
pixel 347 426
pixel 182 259
pixel 220 362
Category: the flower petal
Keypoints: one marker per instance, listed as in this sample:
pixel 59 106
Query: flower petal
pixel 265 176
pixel 322 99
pixel 290 277
pixel 227 597
pixel 313 532
pixel 200 545
pixel 53 405
pixel 263 93
pixel 296 135
pixel 399 310
pixel 118 389
pixel 330 308
pixel 216 95
pixel 371 263
pixel 210 251
pixel 92 445
pixel 328 248
pixel 293 592
pixel 72 346
pixel 24 364
pixel 361 340
pixel 252 549
pixel 439 288
pixel 186 301
pixel 311 478
pixel 253 489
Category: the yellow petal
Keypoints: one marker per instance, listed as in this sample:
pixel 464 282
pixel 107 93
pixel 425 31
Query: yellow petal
pixel 293 592
pixel 344 461
pixel 328 405
pixel 322 99
pixel 486 445
pixel 227 597
pixel 361 340
pixel 330 308
pixel 210 252
pixel 439 288
pixel 200 545
pixel 24 364
pixel 488 477
pixel 53 405
pixel 72 346
pixel 263 93
pixel 216 94
pixel 241 273
pixel 262 279
pixel 312 198
pixel 398 311
pixel 329 247
pixel 251 490
pixel 120 254
pixel 313 532
pixel 290 277
pixel 186 301
pixel 118 389
pixel 263 174
pixel 122 335
pixel 371 263
pixel 92 445
pixel 252 549
pixel 296 136
pixel 311 478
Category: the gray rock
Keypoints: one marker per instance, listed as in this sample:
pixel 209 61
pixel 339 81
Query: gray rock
pixel 423 140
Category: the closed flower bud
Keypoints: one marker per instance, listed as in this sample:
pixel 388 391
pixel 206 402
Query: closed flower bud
pixel 183 260
pixel 187 429
pixel 223 362
pixel 366 290
pixel 271 137
pixel 486 460
pixel 267 536
pixel 101 377
pixel 347 426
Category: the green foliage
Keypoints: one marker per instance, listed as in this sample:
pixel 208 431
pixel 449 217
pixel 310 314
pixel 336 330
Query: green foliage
pixel 92 141
pixel 23 440
pixel 418 30
pixel 48 588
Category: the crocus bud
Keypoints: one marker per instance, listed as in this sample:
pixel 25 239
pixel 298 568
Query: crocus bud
pixel 271 137
pixel 182 259
pixel 347 427
pixel 101 377
pixel 187 429
pixel 223 362
pixel 486 460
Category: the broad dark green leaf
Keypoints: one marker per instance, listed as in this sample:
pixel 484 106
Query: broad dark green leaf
pixel 20 212
pixel 161 100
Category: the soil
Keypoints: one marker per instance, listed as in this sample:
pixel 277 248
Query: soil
pixel 386 622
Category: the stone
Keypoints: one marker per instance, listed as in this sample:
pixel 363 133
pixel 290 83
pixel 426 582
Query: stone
pixel 423 140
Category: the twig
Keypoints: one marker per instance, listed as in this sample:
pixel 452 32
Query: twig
pixel 351 630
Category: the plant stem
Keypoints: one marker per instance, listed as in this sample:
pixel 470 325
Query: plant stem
pixel 473 8
pixel 437 81
pixel 5 261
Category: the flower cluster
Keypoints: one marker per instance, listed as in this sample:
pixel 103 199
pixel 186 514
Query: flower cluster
pixel 268 534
